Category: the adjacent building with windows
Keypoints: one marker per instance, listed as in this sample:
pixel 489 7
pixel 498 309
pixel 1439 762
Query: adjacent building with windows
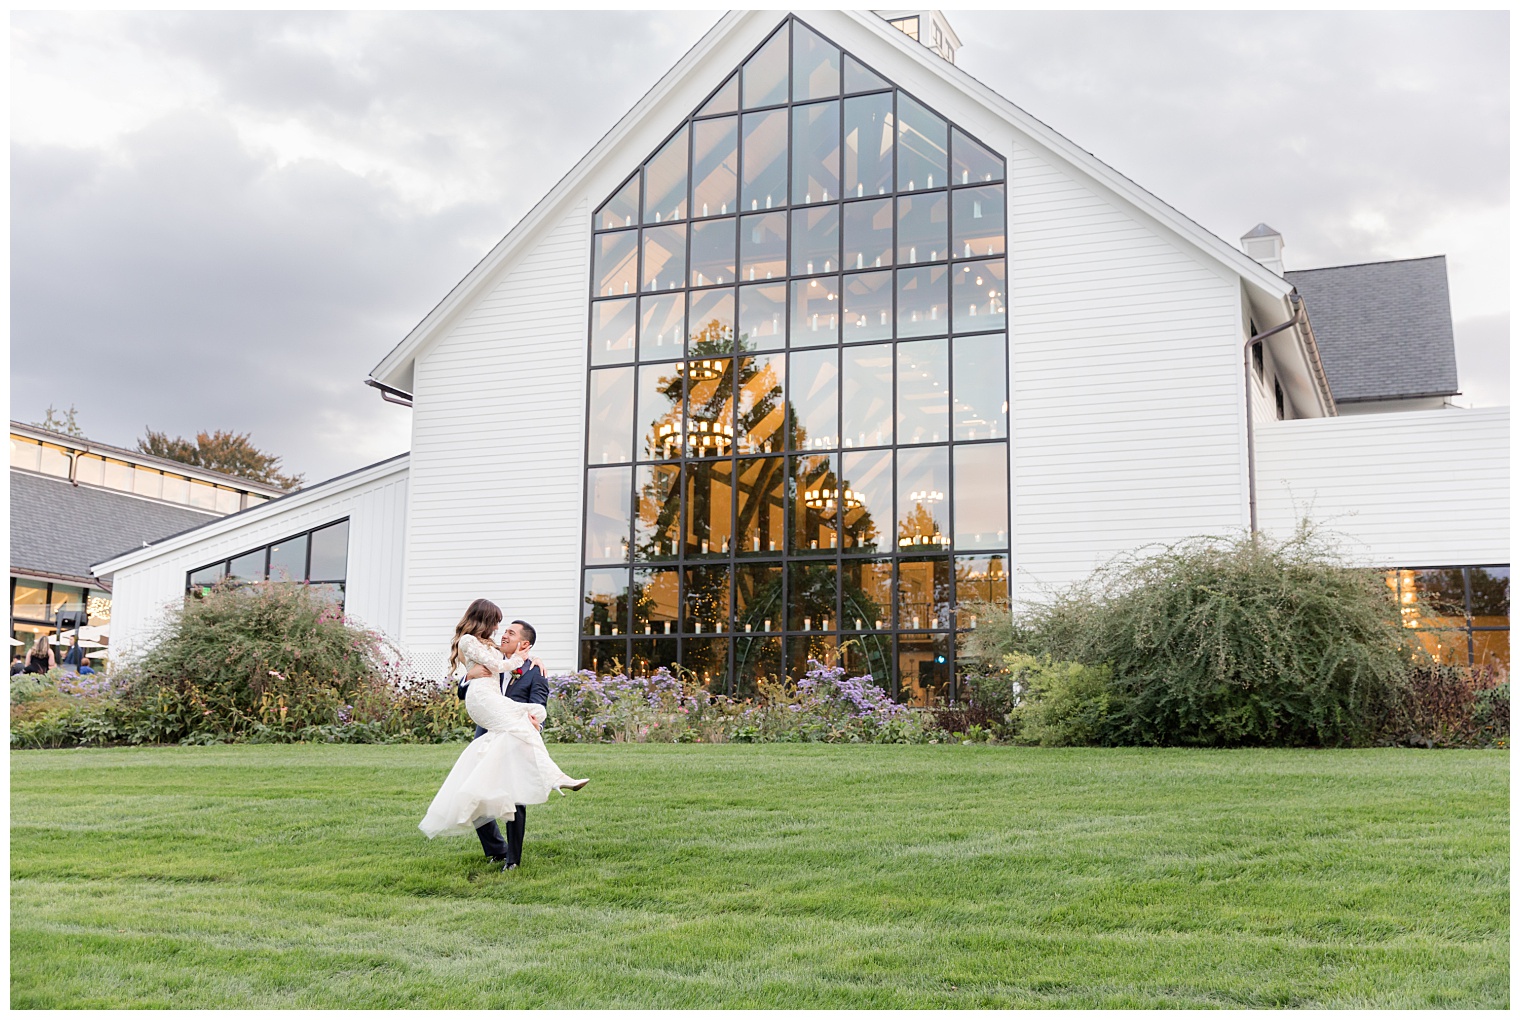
pixel 824 341
pixel 74 502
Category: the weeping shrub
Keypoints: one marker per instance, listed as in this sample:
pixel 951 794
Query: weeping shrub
pixel 1235 642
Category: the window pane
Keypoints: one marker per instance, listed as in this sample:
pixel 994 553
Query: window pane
pixel 712 252
pixel 980 371
pixel 979 296
pixel 979 221
pixel 249 566
pixel 762 317
pixel 867 396
pixel 1491 649
pixel 764 167
pixel 621 209
pixel 725 100
pixel 815 240
pixel 709 508
pixel 762 501
pixel 765 74
pixel 762 246
pixel 707 600
pixel 329 553
pixel 662 326
pixel 611 413
pixel 866 590
pixel 707 658
pixel 145 481
pixel 762 407
pixel 710 407
pixel 922 228
pixel 923 668
pixel 712 323
pixel 814 504
pixel 616 263
pixel 921 301
pixel 664 258
pixel 1490 596
pixel 604 658
pixel 656 603
pixel 868 145
pixel 923 592
pixel 756 659
pixel 923 479
pixel 652 654
pixel 34 593
pixel 26 454
pixel 815 312
pixel 92 471
pixel 868 234
pixel 658 415
pixel 923 392
pixel 813 597
pixel 804 649
pixel 866 479
pixel 227 501
pixel 202 494
pixel 715 166
pixel 608 495
pixel 922 139
pixel 55 462
pixel 287 560
pixel 981 496
pixel 868 307
pixel 757 595
pixel 815 66
pixel 971 162
pixel 980 579
pixel 815 152
pixel 867 654
pixel 658 521
pixel 613 324
pixel 665 182
pixel 205 576
pixel 859 78
pixel 813 399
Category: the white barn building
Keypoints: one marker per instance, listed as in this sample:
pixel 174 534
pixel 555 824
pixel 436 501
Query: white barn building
pixel 824 338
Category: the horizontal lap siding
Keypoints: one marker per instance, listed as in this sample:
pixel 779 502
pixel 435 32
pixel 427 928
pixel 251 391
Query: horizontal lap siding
pixel 497 444
pixel 376 538
pixel 1422 488
pixel 1126 383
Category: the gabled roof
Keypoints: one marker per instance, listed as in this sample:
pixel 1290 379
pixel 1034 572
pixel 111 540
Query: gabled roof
pixel 887 47
pixel 1384 328
pixel 60 528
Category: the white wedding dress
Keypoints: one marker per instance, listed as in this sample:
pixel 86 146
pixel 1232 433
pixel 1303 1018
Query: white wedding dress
pixel 505 766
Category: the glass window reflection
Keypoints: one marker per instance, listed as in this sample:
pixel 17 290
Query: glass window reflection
pixel 709 508
pixel 921 299
pixel 815 65
pixel 865 481
pixel 922 228
pixel 866 595
pixel 656 598
pixel 762 403
pixel 613 324
pixel 923 487
pixel 725 100
pixel 764 76
pixel 815 312
pixel 707 600
pixel 616 263
pixel 813 399
pixel 868 234
pixel 923 392
pixel 812 597
pixel 982 579
pixel 763 184
pixel 923 592
pixel 979 296
pixel 710 407
pixel 860 78
pixel 648 655
pixel 815 240
pixel 815 152
pixel 981 496
pixel 867 308
pixel 608 494
pixel 610 431
pixel 921 144
pixel 980 372
pixel 604 603
pixel 972 162
pixel 762 506
pixel 658 411
pixel 868 145
pixel 712 323
pixel 715 166
pixel 814 503
pixel 662 326
pixel 762 246
pixel 712 252
pixel 762 317
pixel 658 521
pixel 756 659
pixel 757 598
pixel 664 258
pixel 665 182
pixel 979 221
pixel 622 209
pixel 867 388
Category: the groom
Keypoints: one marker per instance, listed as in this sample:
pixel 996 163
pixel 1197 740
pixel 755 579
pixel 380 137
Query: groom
pixel 527 684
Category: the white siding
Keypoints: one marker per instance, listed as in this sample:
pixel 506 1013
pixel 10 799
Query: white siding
pixel 498 430
pixel 375 507
pixel 1425 488
pixel 1127 381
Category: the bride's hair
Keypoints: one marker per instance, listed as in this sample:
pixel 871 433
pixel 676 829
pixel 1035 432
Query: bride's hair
pixel 480 620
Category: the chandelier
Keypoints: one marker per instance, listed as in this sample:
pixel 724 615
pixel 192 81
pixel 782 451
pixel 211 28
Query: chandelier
pixel 702 437
pixel 926 496
pixel 829 499
pixel 919 540
pixel 701 370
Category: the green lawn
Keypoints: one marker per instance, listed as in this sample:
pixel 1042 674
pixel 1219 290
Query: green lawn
pixel 766 876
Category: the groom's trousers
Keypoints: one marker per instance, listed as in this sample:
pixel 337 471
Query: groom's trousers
pixel 491 841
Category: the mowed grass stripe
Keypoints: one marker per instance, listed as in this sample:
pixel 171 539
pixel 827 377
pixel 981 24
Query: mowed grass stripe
pixel 792 876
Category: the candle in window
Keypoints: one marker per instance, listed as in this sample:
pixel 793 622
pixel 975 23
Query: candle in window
pixel 807 623
pixel 746 628
pixel 767 624
pixel 596 629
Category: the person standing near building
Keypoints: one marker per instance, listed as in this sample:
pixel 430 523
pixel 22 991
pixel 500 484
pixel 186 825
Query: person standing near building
pixel 42 659
pixel 75 655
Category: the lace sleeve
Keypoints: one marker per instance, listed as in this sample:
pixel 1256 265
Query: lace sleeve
pixel 472 649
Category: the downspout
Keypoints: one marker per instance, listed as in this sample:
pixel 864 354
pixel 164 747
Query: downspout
pixel 1298 311
pixel 391 393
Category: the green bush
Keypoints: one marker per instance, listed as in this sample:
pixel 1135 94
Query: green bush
pixel 1211 642
pixel 1060 704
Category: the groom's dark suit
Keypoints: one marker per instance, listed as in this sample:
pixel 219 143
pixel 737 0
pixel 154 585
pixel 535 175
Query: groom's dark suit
pixel 531 688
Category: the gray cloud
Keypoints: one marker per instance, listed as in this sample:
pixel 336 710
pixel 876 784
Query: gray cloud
pixel 186 275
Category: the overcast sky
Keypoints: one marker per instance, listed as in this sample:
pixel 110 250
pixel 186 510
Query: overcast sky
pixel 225 220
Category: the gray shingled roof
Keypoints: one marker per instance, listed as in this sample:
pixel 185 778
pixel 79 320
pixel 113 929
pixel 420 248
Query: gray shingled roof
pixel 1383 328
pixel 59 528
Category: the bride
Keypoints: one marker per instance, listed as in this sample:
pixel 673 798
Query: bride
pixel 506 765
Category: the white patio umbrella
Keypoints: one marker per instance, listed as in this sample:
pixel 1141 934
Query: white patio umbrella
pixel 15 643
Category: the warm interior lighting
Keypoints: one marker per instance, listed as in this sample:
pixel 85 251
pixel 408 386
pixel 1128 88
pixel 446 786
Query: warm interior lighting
pixel 829 499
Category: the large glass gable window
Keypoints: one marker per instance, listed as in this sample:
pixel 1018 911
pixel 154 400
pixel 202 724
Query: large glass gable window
pixel 798 443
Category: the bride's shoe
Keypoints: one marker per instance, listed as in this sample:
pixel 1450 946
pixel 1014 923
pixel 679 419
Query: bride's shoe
pixel 578 784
